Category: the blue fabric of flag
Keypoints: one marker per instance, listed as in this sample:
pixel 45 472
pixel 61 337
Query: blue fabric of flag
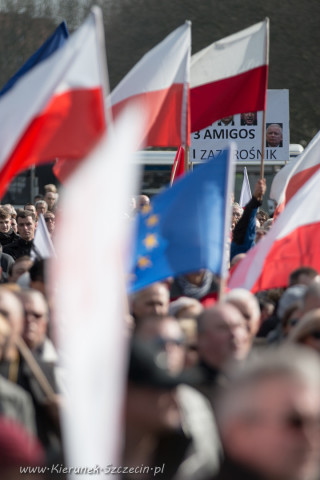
pixel 183 230
pixel 53 43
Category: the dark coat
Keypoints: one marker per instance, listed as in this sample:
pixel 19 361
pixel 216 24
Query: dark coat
pixel 18 248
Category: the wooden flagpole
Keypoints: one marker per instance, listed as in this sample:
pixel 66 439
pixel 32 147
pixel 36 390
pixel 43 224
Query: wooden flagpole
pixel 263 136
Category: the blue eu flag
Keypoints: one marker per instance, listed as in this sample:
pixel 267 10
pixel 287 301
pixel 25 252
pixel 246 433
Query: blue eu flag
pixel 186 227
pixel 55 41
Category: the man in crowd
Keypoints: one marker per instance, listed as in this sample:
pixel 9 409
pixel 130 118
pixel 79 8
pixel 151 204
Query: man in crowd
pixel 21 246
pixel 150 301
pixel 41 207
pixel 222 338
pixel 269 418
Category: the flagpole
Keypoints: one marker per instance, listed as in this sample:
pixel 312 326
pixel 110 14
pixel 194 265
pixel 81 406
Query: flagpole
pixel 227 222
pixel 102 52
pixel 263 136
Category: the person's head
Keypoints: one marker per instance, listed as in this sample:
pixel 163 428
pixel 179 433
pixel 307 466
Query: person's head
pixel 5 221
pixel 190 332
pixel 20 266
pixel 227 120
pixel 249 118
pixel 12 310
pixel 142 201
pixel 269 417
pixel 50 187
pixel 302 276
pixel 14 225
pixel 26 221
pixel 50 199
pixel 311 299
pixel 307 331
pixel 237 211
pixel 151 405
pixel 30 207
pixel 262 216
pixel 274 135
pixel 167 337
pixel 196 278
pixel 150 301
pixel 185 307
pixel 290 318
pixel 248 306
pixel 36 317
pixel 222 335
pixel 10 208
pixel 41 207
pixel 5 333
pixel 50 220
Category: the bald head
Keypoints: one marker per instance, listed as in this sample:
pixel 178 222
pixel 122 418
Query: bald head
pixel 151 301
pixel 222 335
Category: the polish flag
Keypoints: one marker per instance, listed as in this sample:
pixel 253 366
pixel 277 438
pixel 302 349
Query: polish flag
pixel 178 165
pixel 57 108
pixel 292 242
pixel 160 81
pixel 291 177
pixel 90 299
pixel 230 76
pixel 245 195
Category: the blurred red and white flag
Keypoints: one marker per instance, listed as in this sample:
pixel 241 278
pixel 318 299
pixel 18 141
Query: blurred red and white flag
pixel 88 278
pixel 292 242
pixel 290 178
pixel 230 76
pixel 245 194
pixel 178 165
pixel 160 81
pixel 57 108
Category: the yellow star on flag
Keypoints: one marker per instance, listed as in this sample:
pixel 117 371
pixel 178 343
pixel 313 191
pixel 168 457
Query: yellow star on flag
pixel 146 209
pixel 150 241
pixel 152 220
pixel 144 262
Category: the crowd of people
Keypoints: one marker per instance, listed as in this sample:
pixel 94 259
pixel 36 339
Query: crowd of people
pixel 220 385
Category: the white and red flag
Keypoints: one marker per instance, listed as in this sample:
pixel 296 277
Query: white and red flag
pixel 57 108
pixel 90 296
pixel 292 242
pixel 178 167
pixel 291 177
pixel 230 76
pixel 160 81
pixel 245 194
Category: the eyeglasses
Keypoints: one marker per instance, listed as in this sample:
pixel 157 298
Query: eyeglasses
pixel 315 335
pixel 292 420
pixel 36 315
pixel 49 219
pixel 162 341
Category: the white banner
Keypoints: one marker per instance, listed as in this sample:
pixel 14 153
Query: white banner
pixel 246 131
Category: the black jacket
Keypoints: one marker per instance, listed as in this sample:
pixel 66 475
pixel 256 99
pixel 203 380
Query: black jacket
pixel 6 238
pixel 18 248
